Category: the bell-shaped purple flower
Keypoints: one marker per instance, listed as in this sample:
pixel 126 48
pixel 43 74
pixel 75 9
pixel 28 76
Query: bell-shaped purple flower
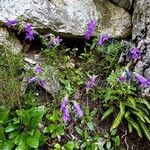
pixel 38 69
pixel 102 39
pixel 90 29
pixel 66 115
pixel 78 109
pixel 41 83
pixel 29 32
pixel 64 103
pixel 122 78
pixel 91 83
pixel 31 80
pixel 128 75
pixel 134 53
pixel 58 41
pixel 11 23
pixel 143 81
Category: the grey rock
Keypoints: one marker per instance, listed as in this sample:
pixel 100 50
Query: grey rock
pixel 50 76
pixel 69 17
pixel 10 42
pixel 141 36
pixel 126 4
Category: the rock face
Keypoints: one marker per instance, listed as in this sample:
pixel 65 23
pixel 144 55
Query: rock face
pixel 69 17
pixel 141 36
pixel 126 4
pixel 9 41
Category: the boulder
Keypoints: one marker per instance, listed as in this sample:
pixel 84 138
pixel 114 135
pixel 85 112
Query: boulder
pixel 126 4
pixel 141 36
pixel 9 41
pixel 69 18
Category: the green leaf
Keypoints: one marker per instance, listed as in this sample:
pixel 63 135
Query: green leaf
pixel 8 145
pixel 21 138
pixel 33 141
pixel 119 117
pixel 108 145
pixel 90 125
pixel 116 140
pixel 22 147
pixel 79 131
pixel 11 127
pixel 69 145
pixel 107 113
pixel 3 115
pixel 113 132
pixel 2 134
pixel 13 134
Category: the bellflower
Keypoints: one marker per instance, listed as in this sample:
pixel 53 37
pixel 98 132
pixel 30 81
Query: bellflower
pixel 128 75
pixel 10 23
pixel 64 103
pixel 29 32
pixel 51 43
pixel 66 115
pixel 134 53
pixel 90 29
pixel 122 78
pixel 102 39
pixel 57 41
pixel 91 82
pixel 32 80
pixel 143 81
pixel 41 83
pixel 78 109
pixel 38 69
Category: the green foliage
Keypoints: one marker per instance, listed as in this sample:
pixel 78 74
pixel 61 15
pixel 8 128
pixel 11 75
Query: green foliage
pixel 128 105
pixel 10 65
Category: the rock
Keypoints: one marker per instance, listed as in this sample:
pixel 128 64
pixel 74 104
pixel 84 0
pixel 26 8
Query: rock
pixel 69 17
pixel 141 36
pixel 126 4
pixel 9 41
pixel 50 76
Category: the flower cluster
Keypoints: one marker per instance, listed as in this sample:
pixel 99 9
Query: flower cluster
pixel 38 70
pixel 28 28
pixel 29 32
pixel 91 83
pixel 90 29
pixel 134 53
pixel 65 109
pixel 102 39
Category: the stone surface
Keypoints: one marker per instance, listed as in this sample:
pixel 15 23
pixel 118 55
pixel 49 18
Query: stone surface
pixel 126 4
pixel 141 36
pixel 69 17
pixel 50 76
pixel 9 41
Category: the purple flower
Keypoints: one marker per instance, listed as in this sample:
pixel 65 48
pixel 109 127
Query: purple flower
pixel 143 81
pixel 122 78
pixel 32 80
pixel 29 32
pixel 66 115
pixel 102 39
pixel 78 109
pixel 41 83
pixel 91 82
pixel 10 23
pixel 38 69
pixel 134 53
pixel 57 41
pixel 90 29
pixel 64 103
pixel 128 75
